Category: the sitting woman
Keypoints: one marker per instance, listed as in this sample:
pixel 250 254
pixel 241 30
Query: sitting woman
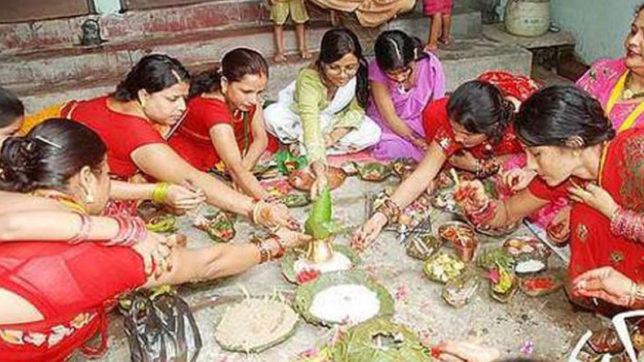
pixel 134 121
pixel 224 121
pixel 370 13
pixel 323 109
pixel 572 146
pixel 475 118
pixel 54 295
pixel 618 84
pixel 12 113
pixel 403 80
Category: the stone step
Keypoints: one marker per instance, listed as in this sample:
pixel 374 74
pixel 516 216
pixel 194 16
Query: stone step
pixel 34 71
pixel 462 60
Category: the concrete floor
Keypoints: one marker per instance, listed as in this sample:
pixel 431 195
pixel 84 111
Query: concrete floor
pixel 548 322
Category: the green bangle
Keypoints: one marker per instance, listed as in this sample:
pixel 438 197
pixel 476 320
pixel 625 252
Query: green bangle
pixel 160 192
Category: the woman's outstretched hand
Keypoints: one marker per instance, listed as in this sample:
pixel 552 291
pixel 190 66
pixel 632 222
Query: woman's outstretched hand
pixel 604 283
pixel 366 234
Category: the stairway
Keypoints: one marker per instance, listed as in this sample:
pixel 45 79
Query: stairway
pixel 49 68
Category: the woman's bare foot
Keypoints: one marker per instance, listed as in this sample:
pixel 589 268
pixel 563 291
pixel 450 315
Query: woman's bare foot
pixel 431 47
pixel 445 40
pixel 305 54
pixel 279 58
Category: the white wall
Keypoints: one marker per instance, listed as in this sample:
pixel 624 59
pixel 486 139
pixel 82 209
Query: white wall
pixel 598 25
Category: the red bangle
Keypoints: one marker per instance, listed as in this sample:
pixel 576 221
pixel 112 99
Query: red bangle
pixel 84 230
pixel 131 230
pixel 281 250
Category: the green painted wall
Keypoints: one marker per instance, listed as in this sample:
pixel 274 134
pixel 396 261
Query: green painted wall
pixel 106 7
pixel 598 25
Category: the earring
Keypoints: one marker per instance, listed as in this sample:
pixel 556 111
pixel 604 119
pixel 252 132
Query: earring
pixel 89 198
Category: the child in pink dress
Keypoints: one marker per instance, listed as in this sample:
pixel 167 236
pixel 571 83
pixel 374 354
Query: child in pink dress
pixel 440 13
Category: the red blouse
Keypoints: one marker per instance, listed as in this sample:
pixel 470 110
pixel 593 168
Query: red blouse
pixel 438 129
pixel 592 243
pixel 121 133
pixel 192 139
pixel 71 285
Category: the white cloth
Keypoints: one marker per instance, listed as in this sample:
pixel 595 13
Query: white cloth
pixel 282 122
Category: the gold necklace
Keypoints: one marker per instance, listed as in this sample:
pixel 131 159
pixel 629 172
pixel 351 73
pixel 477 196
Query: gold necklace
pixel 628 93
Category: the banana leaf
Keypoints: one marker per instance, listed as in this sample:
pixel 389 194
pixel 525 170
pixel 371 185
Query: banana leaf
pixel 317 224
pixel 286 162
pixel 305 293
pixel 380 340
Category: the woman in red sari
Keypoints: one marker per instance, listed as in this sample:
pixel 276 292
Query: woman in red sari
pixel 573 148
pixel 54 295
pixel 224 121
pixel 470 130
pixel 133 122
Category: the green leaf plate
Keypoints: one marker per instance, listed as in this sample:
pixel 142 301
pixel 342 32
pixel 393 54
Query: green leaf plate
pixel 305 293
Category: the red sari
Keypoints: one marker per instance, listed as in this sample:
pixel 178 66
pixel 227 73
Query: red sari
pixel 592 243
pixel 121 133
pixel 438 129
pixel 65 283
pixel 192 139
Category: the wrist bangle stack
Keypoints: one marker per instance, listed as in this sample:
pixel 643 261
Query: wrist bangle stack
pixel 627 223
pixel 83 232
pixel 131 230
pixel 255 211
pixel 264 251
pixel 390 209
pixel 160 192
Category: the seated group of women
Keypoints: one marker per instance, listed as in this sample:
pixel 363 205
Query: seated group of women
pixel 58 176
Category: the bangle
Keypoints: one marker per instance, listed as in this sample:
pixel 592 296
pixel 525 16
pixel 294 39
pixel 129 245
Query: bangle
pixel 83 232
pixel 254 211
pixel 131 230
pixel 160 192
pixel 390 209
pixel 281 250
pixel 264 252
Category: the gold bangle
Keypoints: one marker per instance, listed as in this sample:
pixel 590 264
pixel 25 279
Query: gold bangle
pixel 160 192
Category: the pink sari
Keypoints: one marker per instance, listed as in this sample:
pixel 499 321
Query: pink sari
pixel 600 81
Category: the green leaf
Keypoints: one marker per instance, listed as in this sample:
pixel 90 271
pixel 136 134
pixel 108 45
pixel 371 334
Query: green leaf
pixel 319 217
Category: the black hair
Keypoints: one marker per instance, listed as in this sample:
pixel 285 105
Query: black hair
pixel 234 66
pixel 639 9
pixel 153 73
pixel 49 155
pixel 552 115
pixel 480 107
pixel 394 50
pixel 10 108
pixel 338 42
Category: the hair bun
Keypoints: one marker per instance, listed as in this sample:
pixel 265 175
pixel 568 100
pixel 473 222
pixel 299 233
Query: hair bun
pixel 18 158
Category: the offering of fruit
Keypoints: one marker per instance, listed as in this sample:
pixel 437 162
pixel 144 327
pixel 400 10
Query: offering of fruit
pixel 530 254
pixel 503 284
pixel 219 226
pixel 461 236
pixel 373 171
pixel 443 267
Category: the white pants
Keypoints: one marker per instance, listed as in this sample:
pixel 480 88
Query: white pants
pixel 286 125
